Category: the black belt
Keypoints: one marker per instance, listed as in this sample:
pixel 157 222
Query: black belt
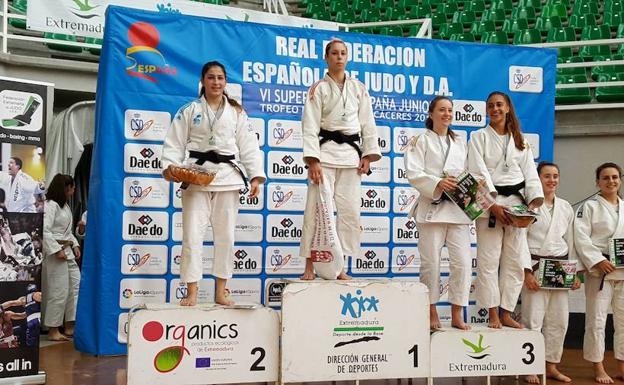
pixel 505 191
pixel 608 258
pixel 214 157
pixel 535 257
pixel 340 138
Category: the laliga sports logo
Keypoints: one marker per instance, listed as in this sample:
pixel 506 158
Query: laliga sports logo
pixel 146 61
pixel 405 201
pixel 477 350
pixel 137 193
pixel 84 9
pixel 135 260
pixel 403 260
pixel 279 198
pixel 138 126
pixel 127 293
pixel 278 260
pixel 354 306
pixel 170 357
pixel 519 79
pixel 280 134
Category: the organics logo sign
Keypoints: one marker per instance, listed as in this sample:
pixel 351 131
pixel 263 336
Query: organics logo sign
pixel 280 134
pixel 127 293
pixel 145 59
pixel 354 306
pixel 84 9
pixel 139 126
pixel 170 357
pixel 477 350
pixel 137 193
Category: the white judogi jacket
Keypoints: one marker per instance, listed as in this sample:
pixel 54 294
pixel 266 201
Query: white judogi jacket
pixel 596 221
pixel 324 108
pixel 425 165
pixel 552 235
pixel 231 134
pixel 57 226
pixel 486 159
pixel 20 192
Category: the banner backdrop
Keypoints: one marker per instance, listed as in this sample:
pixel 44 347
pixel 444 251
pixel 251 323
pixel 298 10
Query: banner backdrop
pixel 150 66
pixel 25 109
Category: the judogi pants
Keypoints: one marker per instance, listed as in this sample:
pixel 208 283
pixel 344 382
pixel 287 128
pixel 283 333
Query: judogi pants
pixel 597 304
pixel 60 283
pixel 344 183
pixel 503 247
pixel 547 311
pixel 199 210
pixel 432 237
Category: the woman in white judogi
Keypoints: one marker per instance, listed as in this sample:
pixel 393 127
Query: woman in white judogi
pixel 339 143
pixel 60 273
pixel 432 162
pixel 597 221
pixel 551 236
pixel 214 130
pixel 499 154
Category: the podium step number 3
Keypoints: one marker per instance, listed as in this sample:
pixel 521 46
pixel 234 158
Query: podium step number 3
pixel 174 345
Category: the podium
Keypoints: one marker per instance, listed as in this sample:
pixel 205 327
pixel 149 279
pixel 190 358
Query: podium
pixel 171 344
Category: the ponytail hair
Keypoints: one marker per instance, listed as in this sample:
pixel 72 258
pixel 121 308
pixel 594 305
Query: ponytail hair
pixel 202 92
pixel 512 124
pixel 429 121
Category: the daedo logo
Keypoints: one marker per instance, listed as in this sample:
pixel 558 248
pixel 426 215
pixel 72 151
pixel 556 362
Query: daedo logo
pixel 135 260
pixel 169 358
pixel 287 167
pixel 278 260
pixel 139 126
pixel 410 233
pixel 373 200
pixel 146 60
pixel 242 262
pixel 477 350
pixel 137 192
pixel 280 135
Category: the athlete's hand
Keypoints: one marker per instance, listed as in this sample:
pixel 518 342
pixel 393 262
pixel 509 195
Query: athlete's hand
pixel 315 172
pixel 364 166
pixel 577 283
pixel 529 281
pixel 500 214
pixel 255 188
pixel 169 176
pixel 61 255
pixel 77 252
pixel 604 267
pixel 448 183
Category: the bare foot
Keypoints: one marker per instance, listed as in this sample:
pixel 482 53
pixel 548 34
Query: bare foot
pixel 343 276
pixel 532 379
pixel 621 368
pixel 69 330
pixel 223 300
pixel 191 295
pixel 495 322
pixel 600 374
pixel 434 320
pixel 553 373
pixel 308 273
pixel 55 335
pixel 457 318
pixel 506 320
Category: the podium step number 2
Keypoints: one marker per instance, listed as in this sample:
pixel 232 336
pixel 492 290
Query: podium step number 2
pixel 174 345
pixel 337 331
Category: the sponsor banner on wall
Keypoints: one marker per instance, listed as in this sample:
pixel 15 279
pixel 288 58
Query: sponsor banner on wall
pixel 358 334
pixel 203 344
pixel 270 69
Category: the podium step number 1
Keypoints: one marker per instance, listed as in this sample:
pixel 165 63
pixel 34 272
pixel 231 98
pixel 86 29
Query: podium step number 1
pixel 354 330
pixel 169 344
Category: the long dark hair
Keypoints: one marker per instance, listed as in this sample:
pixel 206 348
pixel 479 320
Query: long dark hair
pixel 608 165
pixel 205 69
pixel 512 124
pixel 56 189
pixel 429 121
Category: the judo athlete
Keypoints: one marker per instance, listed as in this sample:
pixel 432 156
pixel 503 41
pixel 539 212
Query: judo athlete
pixel 432 161
pixel 597 221
pixel 214 130
pixel 499 154
pixel 551 237
pixel 339 143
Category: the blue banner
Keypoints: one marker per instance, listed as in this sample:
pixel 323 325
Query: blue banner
pixel 150 66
